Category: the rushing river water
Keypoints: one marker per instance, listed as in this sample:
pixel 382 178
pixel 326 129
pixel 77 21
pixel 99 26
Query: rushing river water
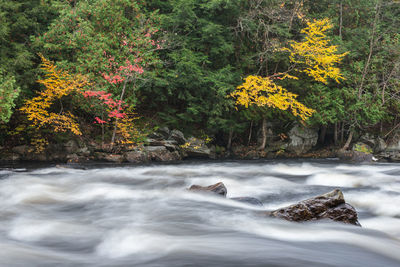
pixel 143 216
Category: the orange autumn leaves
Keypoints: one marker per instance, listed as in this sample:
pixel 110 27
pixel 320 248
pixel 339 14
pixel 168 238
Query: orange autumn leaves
pixel 315 57
pixel 58 83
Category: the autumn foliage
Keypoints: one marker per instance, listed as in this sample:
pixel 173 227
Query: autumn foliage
pixel 316 54
pixel 261 91
pixel 318 59
pixel 58 83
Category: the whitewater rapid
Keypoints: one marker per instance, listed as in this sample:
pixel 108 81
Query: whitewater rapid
pixel 144 216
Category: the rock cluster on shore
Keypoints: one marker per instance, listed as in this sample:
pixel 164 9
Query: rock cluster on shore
pixel 163 145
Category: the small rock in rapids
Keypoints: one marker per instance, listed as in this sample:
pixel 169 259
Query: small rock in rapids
pixel 249 200
pixel 218 188
pixel 327 206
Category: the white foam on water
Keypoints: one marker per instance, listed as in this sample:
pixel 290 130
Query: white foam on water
pixel 394 187
pixel 302 170
pixel 128 241
pixel 26 229
pixel 347 180
pixel 298 232
pixel 389 225
pixel 211 198
pixel 375 168
pixel 379 202
pixel 31 193
pixel 93 191
pixel 248 187
pixel 120 218
pixel 336 179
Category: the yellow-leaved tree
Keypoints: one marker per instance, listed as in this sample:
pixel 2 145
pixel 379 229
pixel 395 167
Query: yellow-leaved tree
pixel 263 91
pixel 58 83
pixel 313 55
pixel 316 53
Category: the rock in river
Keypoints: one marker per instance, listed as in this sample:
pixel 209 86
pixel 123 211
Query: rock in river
pixel 327 206
pixel 218 188
pixel 249 200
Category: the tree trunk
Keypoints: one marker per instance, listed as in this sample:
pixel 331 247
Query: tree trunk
pixel 335 134
pixel 229 145
pixel 264 134
pixel 119 106
pixel 347 144
pixel 250 132
pixel 102 130
pixel 342 133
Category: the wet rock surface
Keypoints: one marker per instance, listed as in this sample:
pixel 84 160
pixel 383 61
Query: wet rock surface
pixel 331 206
pixel 327 206
pixel 137 156
pixel 302 139
pixel 355 156
pixel 196 148
pixel 218 188
pixel 177 136
pixel 248 200
pixel 161 146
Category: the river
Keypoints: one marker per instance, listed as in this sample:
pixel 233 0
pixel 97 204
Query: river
pixel 143 216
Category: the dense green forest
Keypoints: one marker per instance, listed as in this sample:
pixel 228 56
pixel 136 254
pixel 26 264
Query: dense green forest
pixel 114 70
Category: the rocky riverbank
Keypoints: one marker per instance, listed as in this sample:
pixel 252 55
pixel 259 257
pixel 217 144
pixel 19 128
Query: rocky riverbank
pixel 166 145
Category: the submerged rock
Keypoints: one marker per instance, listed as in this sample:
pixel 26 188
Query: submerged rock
pixel 327 206
pixel 218 188
pixel 249 200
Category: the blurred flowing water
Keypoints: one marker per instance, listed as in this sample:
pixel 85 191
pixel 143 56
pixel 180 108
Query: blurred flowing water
pixel 143 216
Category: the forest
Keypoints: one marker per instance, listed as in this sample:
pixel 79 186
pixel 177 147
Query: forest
pixel 214 133
pixel 226 71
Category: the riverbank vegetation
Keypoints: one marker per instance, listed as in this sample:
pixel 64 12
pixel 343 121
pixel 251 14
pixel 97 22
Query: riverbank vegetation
pixel 110 71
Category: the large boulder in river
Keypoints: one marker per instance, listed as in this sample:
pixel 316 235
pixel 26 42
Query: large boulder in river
pixel 330 206
pixel 327 206
pixel 301 139
pixel 218 188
